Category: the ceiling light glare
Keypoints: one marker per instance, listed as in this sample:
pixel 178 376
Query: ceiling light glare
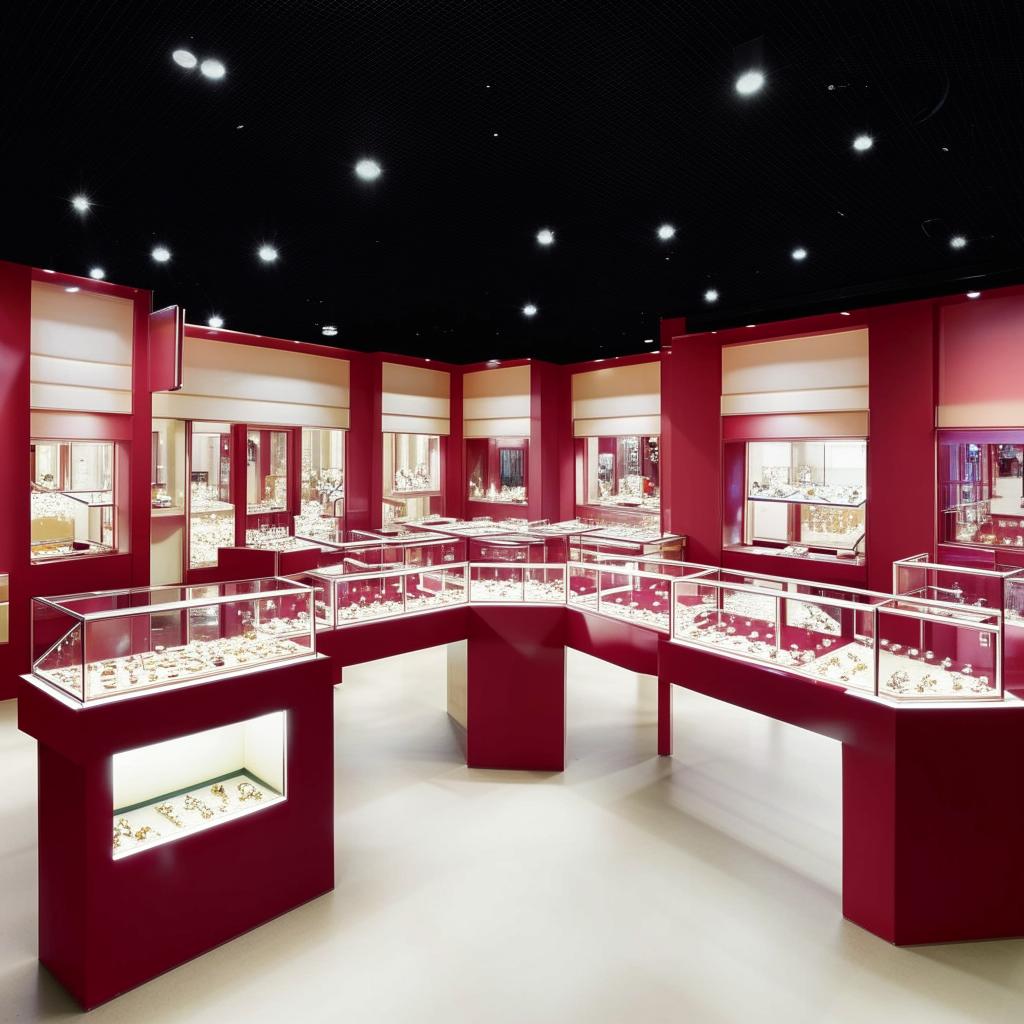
pixel 267 253
pixel 529 309
pixel 185 59
pixel 666 231
pixel 844 313
pixel 97 273
pixel 957 242
pixel 368 170
pixel 863 143
pixel 711 295
pixel 72 289
pixel 974 295
pixel 215 321
pixel 799 253
pixel 161 254
pixel 213 68
pixel 648 341
pixel 545 237
pixel 329 330
pixel 750 82
pixel 81 203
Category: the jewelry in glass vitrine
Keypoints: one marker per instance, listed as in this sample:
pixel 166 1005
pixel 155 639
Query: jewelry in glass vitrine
pixel 218 790
pixel 145 832
pixel 192 804
pixel 167 810
pixel 247 791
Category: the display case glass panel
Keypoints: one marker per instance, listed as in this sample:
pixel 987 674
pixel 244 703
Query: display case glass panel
pixel 73 510
pixel 321 484
pixel 497 469
pixel 641 539
pixel 211 511
pixel 114 643
pixel 167 465
pixel 977 588
pixel 277 538
pixel 509 582
pixel 368 597
pixel 507 547
pixel 266 468
pixel 636 591
pixel 981 490
pixel 176 788
pixel 806 496
pixel 622 472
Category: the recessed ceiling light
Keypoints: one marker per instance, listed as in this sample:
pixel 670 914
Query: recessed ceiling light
pixel 844 312
pixel 368 170
pixel 267 253
pixel 97 273
pixel 751 325
pixel 81 203
pixel 213 68
pixel 974 295
pixel 328 330
pixel 648 341
pixel 72 288
pixel 529 309
pixel 184 58
pixel 799 253
pixel 957 242
pixel 711 295
pixel 161 254
pixel 216 321
pixel 546 236
pixel 666 231
pixel 862 143
pixel 750 82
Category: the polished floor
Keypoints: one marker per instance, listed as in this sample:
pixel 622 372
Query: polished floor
pixel 701 889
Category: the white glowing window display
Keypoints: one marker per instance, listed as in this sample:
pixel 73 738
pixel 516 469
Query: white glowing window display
pixel 981 489
pixel 176 788
pixel 411 474
pixel 266 462
pixel 623 472
pixel 497 469
pixel 167 465
pixel 72 499
pixel 321 484
pixel 211 511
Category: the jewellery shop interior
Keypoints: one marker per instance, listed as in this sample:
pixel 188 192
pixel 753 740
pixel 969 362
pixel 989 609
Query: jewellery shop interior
pixel 351 673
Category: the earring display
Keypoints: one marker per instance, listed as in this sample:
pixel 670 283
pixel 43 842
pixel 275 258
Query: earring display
pixel 115 643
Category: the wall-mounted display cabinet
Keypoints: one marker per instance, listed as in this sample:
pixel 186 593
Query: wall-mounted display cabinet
pixel 266 470
pixel 321 484
pixel 411 475
pixel 621 473
pixel 73 501
pixel 497 469
pixel 211 510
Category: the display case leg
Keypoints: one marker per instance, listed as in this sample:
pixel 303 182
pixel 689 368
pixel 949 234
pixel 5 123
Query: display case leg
pixel 664 718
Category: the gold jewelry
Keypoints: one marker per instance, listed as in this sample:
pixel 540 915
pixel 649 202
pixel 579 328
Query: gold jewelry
pixel 167 810
pixel 143 833
pixel 192 804
pixel 218 790
pixel 247 791
pixel 123 827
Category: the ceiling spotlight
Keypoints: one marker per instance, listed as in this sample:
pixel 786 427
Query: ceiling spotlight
pixel 216 321
pixel 546 236
pixel 213 68
pixel 529 309
pixel 648 341
pixel 184 58
pixel 863 143
pixel 81 203
pixel 161 254
pixel 751 325
pixel 750 82
pixel 799 253
pixel 843 312
pixel 974 295
pixel 368 170
pixel 957 242
pixel 329 330
pixel 666 231
pixel 72 289
pixel 711 295
pixel 97 273
pixel 267 253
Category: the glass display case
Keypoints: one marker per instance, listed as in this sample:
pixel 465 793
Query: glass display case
pixel 311 525
pixel 977 588
pixel 211 513
pixel 497 469
pixel 321 485
pixel 801 497
pixel 639 592
pixel 110 644
pixel 621 472
pixel 507 547
pixel 412 474
pixel 644 539
pixel 167 466
pixel 72 499
pixel 981 488
pixel 277 538
pixel 266 471
pixel 164 791
pixel 513 582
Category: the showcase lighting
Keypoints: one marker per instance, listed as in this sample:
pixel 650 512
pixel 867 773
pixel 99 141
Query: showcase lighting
pixel 974 295
pixel 368 170
pixel 215 321
pixel 267 253
pixel 161 254
pixel 97 273
pixel 184 59
pixel 213 68
pixel 750 82
pixel 711 295
pixel 81 203
pixel 529 309
pixel 546 236
pixel 329 331
pixel 862 143
pixel 666 231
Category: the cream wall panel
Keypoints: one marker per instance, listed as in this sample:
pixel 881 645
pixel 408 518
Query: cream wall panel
pixel 501 381
pixel 400 379
pixel 819 373
pixel 81 325
pixel 176 405
pixel 510 427
pixel 811 400
pixel 1001 413
pixel 632 390
pixel 415 425
pixel 496 407
pixel 74 399
pixel 615 426
pixel 414 405
pixel 79 373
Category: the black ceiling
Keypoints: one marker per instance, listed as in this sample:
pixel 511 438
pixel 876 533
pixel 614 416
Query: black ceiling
pixel 491 120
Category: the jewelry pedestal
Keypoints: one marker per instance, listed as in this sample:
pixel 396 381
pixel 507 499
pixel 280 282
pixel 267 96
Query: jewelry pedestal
pixel 515 687
pixel 107 925
pixel 933 837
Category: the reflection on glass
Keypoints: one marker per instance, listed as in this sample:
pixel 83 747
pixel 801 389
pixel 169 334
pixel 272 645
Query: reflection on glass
pixel 623 472
pixel 981 488
pixel 211 512
pixel 266 466
pixel 497 469
pixel 72 498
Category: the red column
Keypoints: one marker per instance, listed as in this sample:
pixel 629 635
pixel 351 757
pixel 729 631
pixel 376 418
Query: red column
pixel 454 482
pixel 362 504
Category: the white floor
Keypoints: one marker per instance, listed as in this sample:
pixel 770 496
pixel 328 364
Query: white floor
pixel 704 888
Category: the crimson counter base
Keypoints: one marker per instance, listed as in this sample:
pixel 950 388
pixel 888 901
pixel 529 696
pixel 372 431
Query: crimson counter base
pixel 106 924
pixel 933 832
